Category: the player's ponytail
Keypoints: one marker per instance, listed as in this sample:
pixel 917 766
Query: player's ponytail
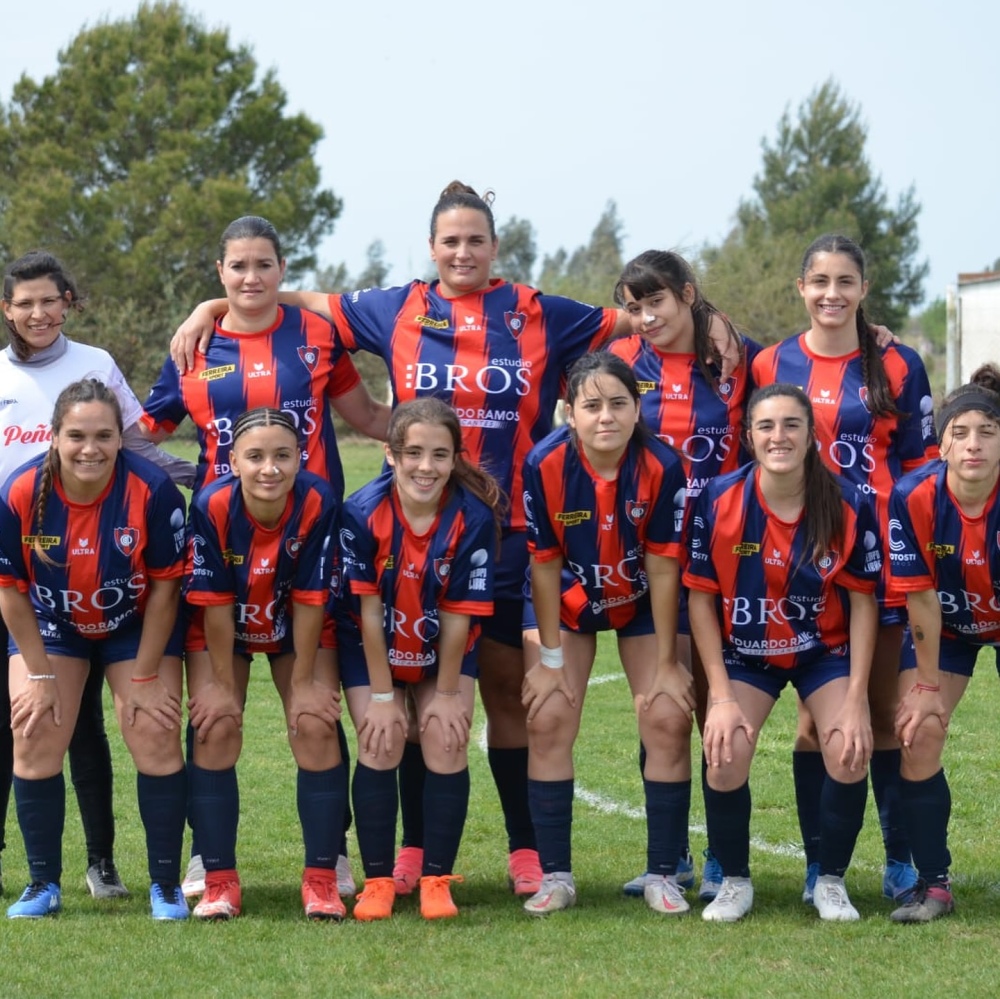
pixel 459 195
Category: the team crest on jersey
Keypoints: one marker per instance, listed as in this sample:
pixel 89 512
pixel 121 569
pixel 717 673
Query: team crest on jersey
pixel 442 569
pixel 127 540
pixel 293 546
pixel 636 511
pixel 826 562
pixel 727 387
pixel 516 321
pixel 863 396
pixel 309 356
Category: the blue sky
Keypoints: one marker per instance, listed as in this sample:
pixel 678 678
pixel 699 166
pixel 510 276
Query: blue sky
pixel 559 106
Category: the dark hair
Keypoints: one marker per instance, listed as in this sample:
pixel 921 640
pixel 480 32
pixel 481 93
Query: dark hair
pixel 664 270
pixel 249 227
pixel 33 265
pixel 822 508
pixel 264 416
pixel 459 195
pixel 880 400
pixel 981 394
pixel 87 390
pixel 437 413
pixel 603 362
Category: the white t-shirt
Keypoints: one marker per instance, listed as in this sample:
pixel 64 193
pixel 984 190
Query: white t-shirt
pixel 28 395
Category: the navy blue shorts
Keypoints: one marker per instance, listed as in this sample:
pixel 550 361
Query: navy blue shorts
pixel 116 646
pixel 806 679
pixel 354 668
pixel 956 656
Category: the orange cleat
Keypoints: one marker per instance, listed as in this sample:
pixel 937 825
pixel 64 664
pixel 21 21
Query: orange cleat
pixel 435 896
pixel 222 899
pixel 524 871
pixel 375 900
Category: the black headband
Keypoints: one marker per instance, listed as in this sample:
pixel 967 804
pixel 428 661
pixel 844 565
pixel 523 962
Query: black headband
pixel 975 400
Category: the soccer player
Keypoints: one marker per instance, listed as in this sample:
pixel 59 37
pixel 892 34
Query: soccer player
pixel 38 363
pixel 418 544
pixel 263 353
pixel 944 554
pixel 783 561
pixel 874 421
pixel 91 558
pixel 605 503
pixel 684 402
pixel 261 553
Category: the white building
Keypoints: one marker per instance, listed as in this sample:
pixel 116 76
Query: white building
pixel 973 325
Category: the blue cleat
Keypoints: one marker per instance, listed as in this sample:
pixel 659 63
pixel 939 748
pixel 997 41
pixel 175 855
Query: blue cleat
pixel 809 891
pixel 40 898
pixel 899 878
pixel 711 877
pixel 167 902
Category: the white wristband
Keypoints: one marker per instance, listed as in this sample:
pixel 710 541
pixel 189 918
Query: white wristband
pixel 551 658
pixel 383 698
pixel 41 676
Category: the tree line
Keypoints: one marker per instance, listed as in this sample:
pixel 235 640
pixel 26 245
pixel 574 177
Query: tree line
pixel 154 132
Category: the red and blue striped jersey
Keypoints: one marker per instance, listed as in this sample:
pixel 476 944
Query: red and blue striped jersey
pixel 603 529
pixel 297 365
pixel 498 357
pixel 934 545
pixel 702 421
pixel 448 568
pixel 870 452
pixel 776 603
pixel 103 554
pixel 232 559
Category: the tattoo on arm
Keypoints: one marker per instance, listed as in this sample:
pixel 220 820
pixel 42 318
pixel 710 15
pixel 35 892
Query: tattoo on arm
pixel 918 633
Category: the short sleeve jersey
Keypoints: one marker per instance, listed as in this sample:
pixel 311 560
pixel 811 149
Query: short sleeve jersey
pixel 29 393
pixel 702 421
pixel 102 554
pixel 603 529
pixel 448 568
pixel 232 559
pixel 498 357
pixel 298 366
pixel 778 604
pixel 870 452
pixel 933 544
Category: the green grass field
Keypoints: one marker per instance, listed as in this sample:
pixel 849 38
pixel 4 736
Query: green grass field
pixel 607 946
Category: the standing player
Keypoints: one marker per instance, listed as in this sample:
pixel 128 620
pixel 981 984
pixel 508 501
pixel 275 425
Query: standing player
pixel 262 353
pixel 783 560
pixel 91 557
pixel 943 552
pixel 39 362
pixel 418 545
pixel 874 422
pixel 258 572
pixel 677 368
pixel 605 504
